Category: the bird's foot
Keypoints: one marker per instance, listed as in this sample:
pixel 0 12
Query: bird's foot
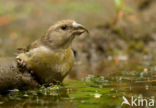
pixel 20 62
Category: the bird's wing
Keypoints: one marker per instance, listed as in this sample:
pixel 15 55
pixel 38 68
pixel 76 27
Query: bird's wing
pixel 35 44
pixel 20 50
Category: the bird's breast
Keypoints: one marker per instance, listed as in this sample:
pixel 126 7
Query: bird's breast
pixel 47 64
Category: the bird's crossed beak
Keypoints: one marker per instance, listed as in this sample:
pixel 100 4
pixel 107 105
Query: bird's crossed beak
pixel 79 28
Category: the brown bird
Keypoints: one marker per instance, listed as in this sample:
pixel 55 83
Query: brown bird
pixel 50 58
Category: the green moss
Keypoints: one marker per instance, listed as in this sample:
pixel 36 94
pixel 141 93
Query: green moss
pixel 84 94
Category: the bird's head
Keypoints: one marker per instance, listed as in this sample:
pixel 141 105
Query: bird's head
pixel 61 34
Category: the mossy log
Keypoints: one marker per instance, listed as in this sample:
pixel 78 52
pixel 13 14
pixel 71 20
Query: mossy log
pixel 12 78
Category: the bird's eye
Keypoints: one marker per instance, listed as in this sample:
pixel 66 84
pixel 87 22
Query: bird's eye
pixel 64 27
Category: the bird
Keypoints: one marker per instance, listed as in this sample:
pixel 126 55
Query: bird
pixel 50 58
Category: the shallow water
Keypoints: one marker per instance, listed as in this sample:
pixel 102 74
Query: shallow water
pixel 134 77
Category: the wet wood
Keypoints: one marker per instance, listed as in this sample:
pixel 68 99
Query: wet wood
pixel 12 78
